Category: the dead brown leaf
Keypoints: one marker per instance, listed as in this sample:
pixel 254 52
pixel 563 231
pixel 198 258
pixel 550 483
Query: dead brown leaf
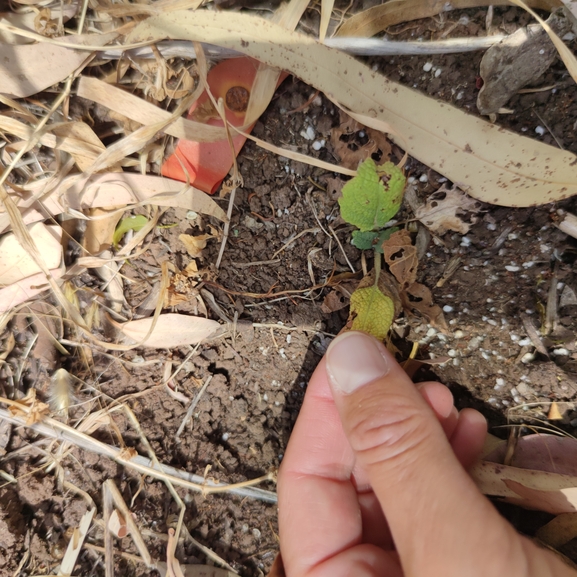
pixel 36 409
pixel 516 61
pixel 449 209
pixel 194 244
pixel 339 297
pixel 334 301
pixel 352 143
pixel 334 187
pixel 417 297
pixel 182 286
pixel 401 256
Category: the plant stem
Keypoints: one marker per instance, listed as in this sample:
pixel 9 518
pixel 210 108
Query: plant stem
pixel 377 266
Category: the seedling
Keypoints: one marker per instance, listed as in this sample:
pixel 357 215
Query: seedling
pixel 370 200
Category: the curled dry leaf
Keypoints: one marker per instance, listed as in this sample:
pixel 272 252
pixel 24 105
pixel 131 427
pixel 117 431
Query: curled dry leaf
pixel 449 209
pixel 171 330
pixel 182 288
pixel 516 61
pixel 88 145
pixel 338 298
pixel 334 187
pixel 541 452
pixel 107 190
pixel 417 297
pixel 334 301
pixel 352 143
pixel 401 256
pixel 194 244
pixel 117 524
pixel 566 55
pixel 99 233
pixel 540 490
pixel 551 455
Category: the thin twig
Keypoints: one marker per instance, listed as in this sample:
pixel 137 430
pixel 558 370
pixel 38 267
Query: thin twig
pixel 192 406
pixel 359 46
pixel 551 309
pixel 289 242
pixel 255 263
pixel 311 204
pixel 128 556
pixel 283 328
pixel 181 365
pixel 342 249
pixel 208 552
pixel 549 129
pixel 56 430
pixel 226 227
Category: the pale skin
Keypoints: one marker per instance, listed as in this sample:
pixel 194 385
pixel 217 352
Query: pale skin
pixel 374 480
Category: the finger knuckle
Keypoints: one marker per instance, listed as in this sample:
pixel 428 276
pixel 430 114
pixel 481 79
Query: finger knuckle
pixel 388 432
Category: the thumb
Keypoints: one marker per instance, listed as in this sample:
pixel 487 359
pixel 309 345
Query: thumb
pixel 429 501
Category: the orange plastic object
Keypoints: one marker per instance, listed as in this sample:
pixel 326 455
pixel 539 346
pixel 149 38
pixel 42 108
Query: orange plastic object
pixel 207 163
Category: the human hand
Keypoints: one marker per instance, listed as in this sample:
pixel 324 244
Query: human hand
pixel 373 482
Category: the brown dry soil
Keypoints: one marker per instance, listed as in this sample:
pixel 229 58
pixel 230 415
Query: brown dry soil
pixel 243 421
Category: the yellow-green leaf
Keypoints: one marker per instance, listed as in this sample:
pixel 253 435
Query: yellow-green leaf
pixel 134 223
pixel 374 196
pixel 374 312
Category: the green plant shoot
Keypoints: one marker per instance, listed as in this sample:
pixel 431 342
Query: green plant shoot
pixel 134 223
pixel 373 196
pixel 370 200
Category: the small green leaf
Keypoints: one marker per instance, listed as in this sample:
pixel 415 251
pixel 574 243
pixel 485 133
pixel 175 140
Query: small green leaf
pixel 372 239
pixel 374 312
pixel 135 223
pixel 364 240
pixel 374 196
